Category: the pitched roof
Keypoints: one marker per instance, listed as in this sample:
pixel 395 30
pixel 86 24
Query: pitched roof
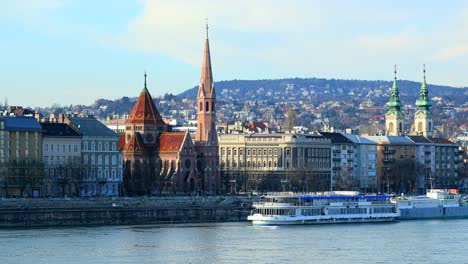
pixel 59 130
pixel 441 140
pixel 144 111
pixel 419 139
pixel 400 140
pixel 171 141
pixel 21 123
pixel 359 139
pixel 91 127
pixel 135 144
pixel 336 137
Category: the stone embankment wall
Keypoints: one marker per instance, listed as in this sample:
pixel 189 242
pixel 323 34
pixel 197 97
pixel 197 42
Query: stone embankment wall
pixel 122 211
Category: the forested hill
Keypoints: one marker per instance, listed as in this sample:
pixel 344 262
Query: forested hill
pixel 335 88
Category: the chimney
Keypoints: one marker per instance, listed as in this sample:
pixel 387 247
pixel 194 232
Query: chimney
pixel 37 116
pixel 61 118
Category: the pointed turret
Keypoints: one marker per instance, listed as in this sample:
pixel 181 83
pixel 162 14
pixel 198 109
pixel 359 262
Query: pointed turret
pixel 206 139
pixel 394 116
pixel 144 119
pixel 423 101
pixel 206 131
pixel 144 110
pixel 394 103
pixel 206 80
pixel 423 116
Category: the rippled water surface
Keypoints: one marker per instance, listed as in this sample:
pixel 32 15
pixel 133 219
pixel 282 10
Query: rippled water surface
pixel 430 241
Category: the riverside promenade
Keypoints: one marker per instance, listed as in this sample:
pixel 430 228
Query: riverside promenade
pixel 46 212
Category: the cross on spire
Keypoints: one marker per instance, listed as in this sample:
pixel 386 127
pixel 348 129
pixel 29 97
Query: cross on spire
pixel 145 78
pixel 424 72
pixel 206 19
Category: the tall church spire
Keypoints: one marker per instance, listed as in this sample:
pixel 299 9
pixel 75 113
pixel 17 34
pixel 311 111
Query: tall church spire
pixel 394 116
pixel 394 104
pixel 206 79
pixel 423 101
pixel 206 139
pixel 423 116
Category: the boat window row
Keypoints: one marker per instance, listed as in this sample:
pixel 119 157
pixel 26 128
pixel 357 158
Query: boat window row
pixel 269 211
pixel 383 210
pixel 335 211
pixel 308 212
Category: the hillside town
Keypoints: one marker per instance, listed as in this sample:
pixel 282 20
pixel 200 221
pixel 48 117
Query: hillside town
pixel 232 141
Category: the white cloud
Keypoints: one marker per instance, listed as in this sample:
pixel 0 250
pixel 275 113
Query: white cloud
pixel 176 28
pixel 31 14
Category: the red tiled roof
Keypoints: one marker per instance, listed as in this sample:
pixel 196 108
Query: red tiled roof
pixel 135 144
pixel 171 141
pixel 122 142
pixel 145 110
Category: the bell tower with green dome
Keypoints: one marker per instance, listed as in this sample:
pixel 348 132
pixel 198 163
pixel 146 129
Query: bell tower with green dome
pixel 394 117
pixel 423 124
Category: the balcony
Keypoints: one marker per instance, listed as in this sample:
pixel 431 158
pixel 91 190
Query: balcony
pixel 336 159
pixel 389 151
pixel 336 151
pixel 336 168
pixel 350 151
pixel 427 153
pixel 387 161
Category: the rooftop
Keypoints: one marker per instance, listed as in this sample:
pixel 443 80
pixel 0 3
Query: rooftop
pixel 59 130
pixel 91 127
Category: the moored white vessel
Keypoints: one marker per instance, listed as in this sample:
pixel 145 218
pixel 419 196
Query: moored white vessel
pixel 437 203
pixel 321 208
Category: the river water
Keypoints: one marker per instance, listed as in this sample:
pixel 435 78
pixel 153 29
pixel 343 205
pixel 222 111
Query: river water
pixel 425 241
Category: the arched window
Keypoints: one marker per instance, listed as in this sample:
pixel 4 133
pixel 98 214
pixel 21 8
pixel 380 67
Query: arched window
pixel 213 106
pixel 430 126
pixel 400 128
pixel 420 129
pixel 201 107
pixel 207 107
pixel 391 128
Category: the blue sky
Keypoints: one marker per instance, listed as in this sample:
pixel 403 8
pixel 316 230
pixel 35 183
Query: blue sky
pixel 73 52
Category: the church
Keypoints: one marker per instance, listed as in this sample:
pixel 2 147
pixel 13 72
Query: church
pixel 160 161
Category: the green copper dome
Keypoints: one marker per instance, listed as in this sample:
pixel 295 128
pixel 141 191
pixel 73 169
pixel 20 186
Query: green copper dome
pixel 394 104
pixel 423 101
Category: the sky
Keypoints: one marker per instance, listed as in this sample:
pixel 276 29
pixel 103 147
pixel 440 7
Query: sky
pixel 76 51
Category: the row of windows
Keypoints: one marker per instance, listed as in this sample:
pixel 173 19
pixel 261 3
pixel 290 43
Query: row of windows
pixel 274 164
pixel 309 152
pixel 341 211
pixel 107 189
pixel 106 173
pixel 92 146
pixel 61 160
pixel 264 139
pixel 207 106
pixel 92 160
pixel 60 148
pixel 268 211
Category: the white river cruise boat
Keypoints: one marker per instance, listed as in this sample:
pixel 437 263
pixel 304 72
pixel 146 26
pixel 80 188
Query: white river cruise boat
pixel 322 208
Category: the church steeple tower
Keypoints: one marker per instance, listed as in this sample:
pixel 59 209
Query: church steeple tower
pixel 206 139
pixel 394 116
pixel 206 131
pixel 423 124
